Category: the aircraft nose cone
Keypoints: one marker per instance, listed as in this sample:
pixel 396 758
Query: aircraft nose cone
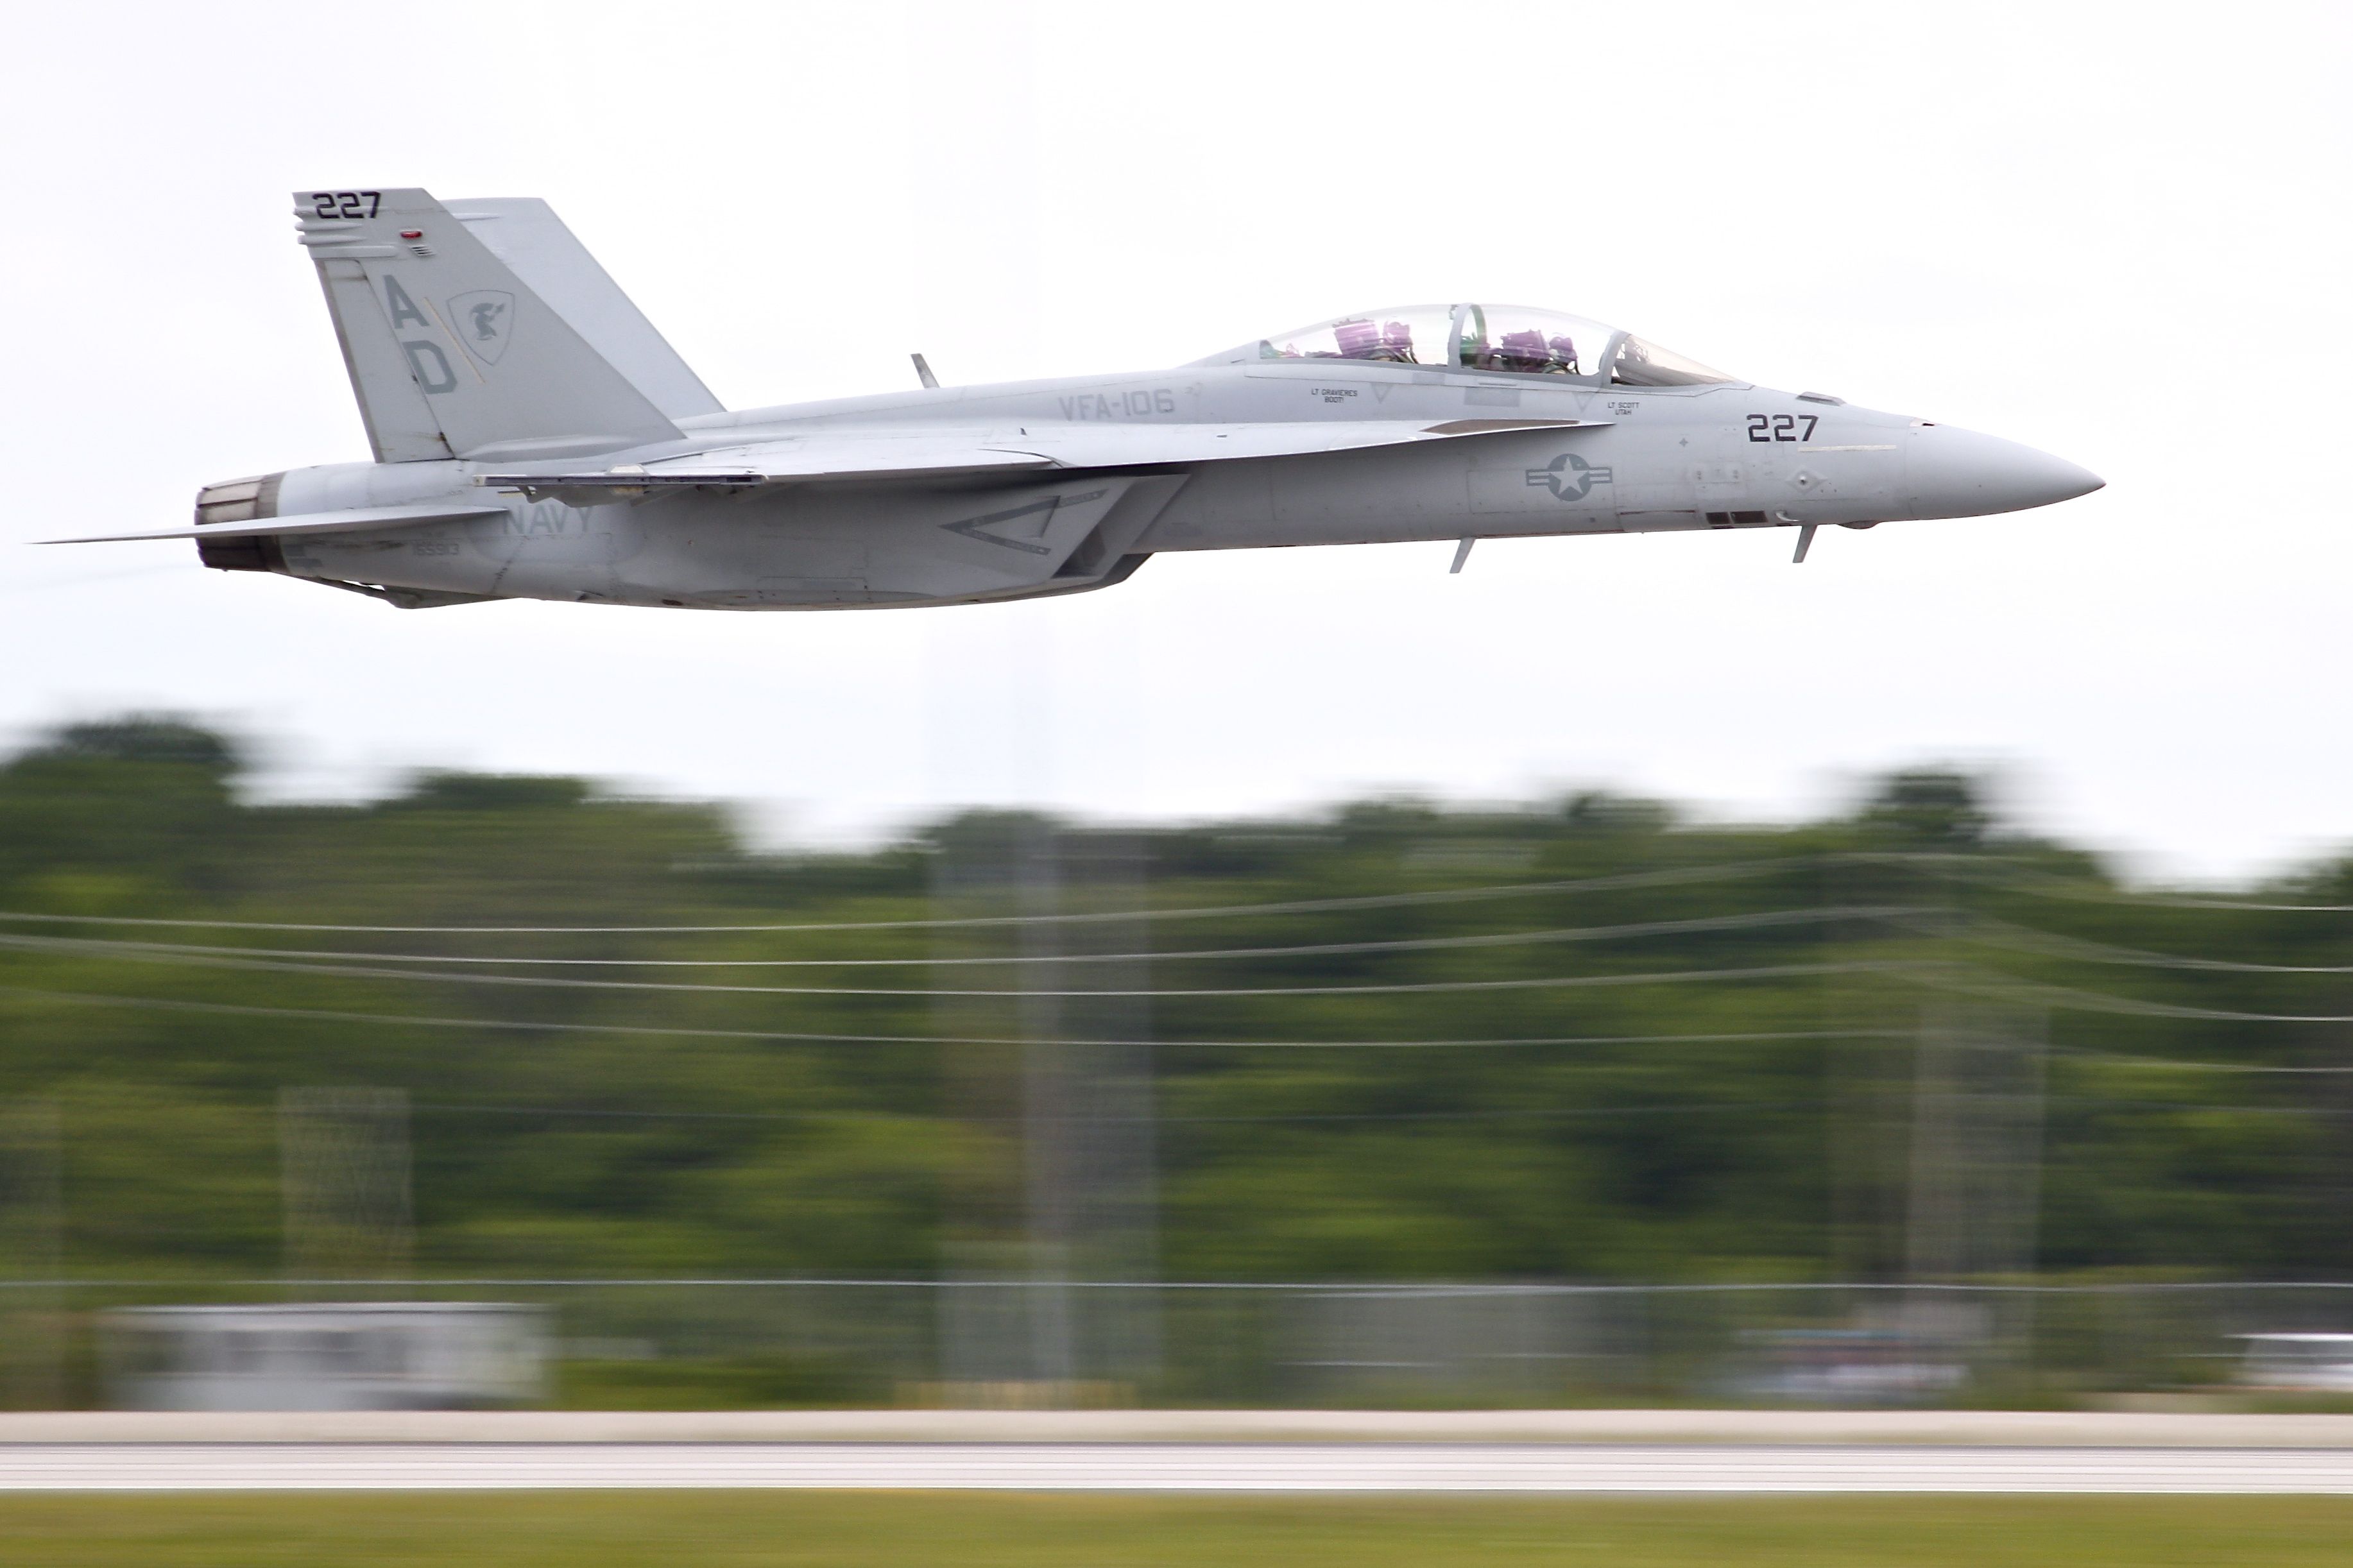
pixel 1959 473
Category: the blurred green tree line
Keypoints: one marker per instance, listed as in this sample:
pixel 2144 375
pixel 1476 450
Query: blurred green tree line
pixel 1459 1065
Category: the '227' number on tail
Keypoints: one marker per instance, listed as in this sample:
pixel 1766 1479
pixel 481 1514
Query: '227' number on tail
pixel 1780 426
pixel 345 203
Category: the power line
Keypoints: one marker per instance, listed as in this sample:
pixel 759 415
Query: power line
pixel 1327 1287
pixel 1517 1113
pixel 1985 867
pixel 2009 988
pixel 2123 1060
pixel 2090 892
pixel 1724 871
pixel 2169 901
pixel 2192 1105
pixel 1940 976
pixel 323 1015
pixel 1404 944
pixel 133 953
pixel 2026 938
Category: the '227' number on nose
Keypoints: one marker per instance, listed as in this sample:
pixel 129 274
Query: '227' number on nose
pixel 1781 427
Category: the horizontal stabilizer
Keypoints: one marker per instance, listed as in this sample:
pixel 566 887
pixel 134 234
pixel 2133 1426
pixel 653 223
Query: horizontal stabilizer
pixel 874 457
pixel 352 520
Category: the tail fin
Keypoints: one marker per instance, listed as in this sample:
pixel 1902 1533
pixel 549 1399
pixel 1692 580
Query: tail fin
pixel 450 354
pixel 524 233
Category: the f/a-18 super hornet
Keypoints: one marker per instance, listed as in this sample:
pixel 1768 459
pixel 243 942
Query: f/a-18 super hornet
pixel 537 438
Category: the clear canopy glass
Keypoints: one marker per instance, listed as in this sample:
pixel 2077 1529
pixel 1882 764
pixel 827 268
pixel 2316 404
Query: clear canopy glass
pixel 1529 341
pixel 1407 334
pixel 1518 340
pixel 1641 364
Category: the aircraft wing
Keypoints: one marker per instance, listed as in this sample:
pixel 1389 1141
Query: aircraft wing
pixel 351 520
pixel 828 456
pixel 813 459
pixel 871 456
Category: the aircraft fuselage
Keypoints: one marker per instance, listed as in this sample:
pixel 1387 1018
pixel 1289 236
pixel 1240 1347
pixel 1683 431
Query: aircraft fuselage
pixel 1647 459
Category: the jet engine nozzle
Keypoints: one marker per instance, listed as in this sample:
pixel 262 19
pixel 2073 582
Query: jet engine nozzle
pixel 1950 472
pixel 240 500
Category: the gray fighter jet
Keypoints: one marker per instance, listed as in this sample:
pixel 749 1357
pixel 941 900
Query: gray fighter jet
pixel 537 438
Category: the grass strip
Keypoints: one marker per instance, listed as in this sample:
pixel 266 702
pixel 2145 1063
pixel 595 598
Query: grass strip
pixel 931 1529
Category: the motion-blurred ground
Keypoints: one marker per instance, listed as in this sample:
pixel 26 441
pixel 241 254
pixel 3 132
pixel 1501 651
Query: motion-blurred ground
pixel 839 1531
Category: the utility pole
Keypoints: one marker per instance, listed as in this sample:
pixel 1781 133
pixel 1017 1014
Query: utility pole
pixel 1050 1098
pixel 982 1322
pixel 1109 1155
pixel 1075 1200
pixel 1976 1185
pixel 343 1163
pixel 1865 1127
pixel 32 1228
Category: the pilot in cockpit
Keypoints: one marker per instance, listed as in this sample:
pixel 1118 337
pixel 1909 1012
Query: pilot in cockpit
pixel 1530 352
pixel 1363 339
pixel 1517 339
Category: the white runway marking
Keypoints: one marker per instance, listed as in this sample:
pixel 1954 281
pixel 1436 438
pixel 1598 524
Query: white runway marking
pixel 1164 1468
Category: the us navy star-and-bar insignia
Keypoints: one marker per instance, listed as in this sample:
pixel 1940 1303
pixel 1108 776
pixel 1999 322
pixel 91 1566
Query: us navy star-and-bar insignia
pixel 1568 477
pixel 483 320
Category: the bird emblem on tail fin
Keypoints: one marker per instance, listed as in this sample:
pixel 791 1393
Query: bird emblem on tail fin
pixel 484 320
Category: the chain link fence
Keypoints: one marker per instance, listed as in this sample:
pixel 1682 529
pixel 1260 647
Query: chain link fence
pixel 718 1343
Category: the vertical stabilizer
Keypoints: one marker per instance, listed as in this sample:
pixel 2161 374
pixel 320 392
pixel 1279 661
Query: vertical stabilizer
pixel 450 353
pixel 524 233
pixel 400 425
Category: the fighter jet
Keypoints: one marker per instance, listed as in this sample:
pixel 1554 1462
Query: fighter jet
pixel 535 438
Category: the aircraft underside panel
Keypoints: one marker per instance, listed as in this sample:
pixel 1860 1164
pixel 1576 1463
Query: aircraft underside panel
pixel 1522 483
pixel 826 550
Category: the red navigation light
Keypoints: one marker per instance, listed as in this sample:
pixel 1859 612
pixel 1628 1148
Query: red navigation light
pixel 412 234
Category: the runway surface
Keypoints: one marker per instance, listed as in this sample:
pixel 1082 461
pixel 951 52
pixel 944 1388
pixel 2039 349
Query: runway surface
pixel 1520 1467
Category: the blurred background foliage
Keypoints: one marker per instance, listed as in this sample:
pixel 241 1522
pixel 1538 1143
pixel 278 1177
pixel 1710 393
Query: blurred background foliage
pixel 584 1120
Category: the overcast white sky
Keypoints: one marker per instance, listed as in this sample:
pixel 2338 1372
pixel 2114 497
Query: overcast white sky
pixel 2118 233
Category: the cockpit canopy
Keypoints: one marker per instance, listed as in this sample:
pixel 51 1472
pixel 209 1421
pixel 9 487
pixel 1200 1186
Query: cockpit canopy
pixel 1514 338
